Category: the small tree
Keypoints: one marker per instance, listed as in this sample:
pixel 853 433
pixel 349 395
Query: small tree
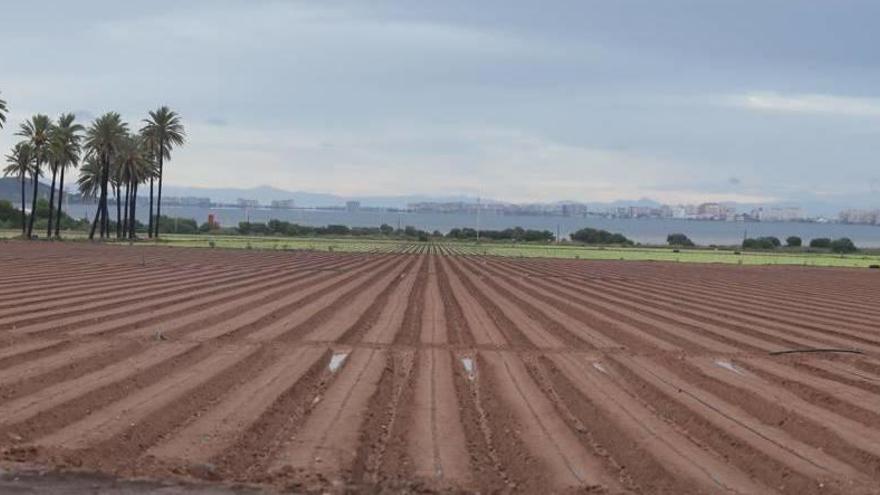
pixel 679 240
pixel 793 241
pixel 761 243
pixel 821 242
pixel 595 236
pixel 843 245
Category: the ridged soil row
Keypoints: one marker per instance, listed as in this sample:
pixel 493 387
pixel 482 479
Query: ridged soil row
pixel 542 455
pixel 271 315
pixel 121 283
pixel 755 331
pixel 748 436
pixel 241 423
pixel 647 453
pixel 217 315
pixel 109 320
pixel 52 291
pixel 492 318
pixel 203 384
pixel 138 421
pixel 710 336
pixel 490 440
pixel 54 407
pixel 63 277
pixel 555 458
pixel 429 443
pixel 456 326
pixel 175 290
pixel 845 370
pixel 32 375
pixel 571 331
pixel 202 387
pixel 848 401
pixel 90 299
pixel 638 333
pixel 756 297
pixel 326 444
pixel 35 276
pixel 433 314
pixel 247 449
pixel 841 288
pixel 819 433
pixel 381 457
pixel 498 458
pixel 20 350
pixel 775 313
pixel 411 325
pixel 607 330
pixel 194 319
pixel 327 318
pixel 540 330
pixel 386 311
pixel 384 453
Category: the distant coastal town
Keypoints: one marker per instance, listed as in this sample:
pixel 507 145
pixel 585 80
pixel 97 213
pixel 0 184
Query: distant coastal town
pixel 712 211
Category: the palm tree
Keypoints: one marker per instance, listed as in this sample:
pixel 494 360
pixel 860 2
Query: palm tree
pixel 151 146
pixel 66 150
pixel 116 183
pixel 102 143
pixel 20 161
pixel 89 181
pixel 165 130
pixel 135 167
pixel 37 130
pixel 3 111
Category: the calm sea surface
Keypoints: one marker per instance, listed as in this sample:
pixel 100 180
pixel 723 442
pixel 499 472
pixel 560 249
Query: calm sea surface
pixel 653 231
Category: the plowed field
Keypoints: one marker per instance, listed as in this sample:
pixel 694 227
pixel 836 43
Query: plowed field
pixel 431 369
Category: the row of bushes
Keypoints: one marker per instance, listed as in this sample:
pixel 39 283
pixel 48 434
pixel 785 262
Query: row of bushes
pixel 514 234
pixel 842 245
pixel 280 227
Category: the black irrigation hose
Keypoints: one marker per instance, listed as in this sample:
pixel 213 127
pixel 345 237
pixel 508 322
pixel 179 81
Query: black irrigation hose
pixel 792 351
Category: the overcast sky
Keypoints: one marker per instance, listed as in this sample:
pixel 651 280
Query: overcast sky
pixel 674 100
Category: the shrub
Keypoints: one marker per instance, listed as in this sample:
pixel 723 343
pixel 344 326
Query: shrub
pixel 679 240
pixel 821 242
pixel 843 245
pixel 761 243
pixel 793 241
pixel 596 236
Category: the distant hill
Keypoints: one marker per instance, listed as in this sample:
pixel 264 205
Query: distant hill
pixel 10 190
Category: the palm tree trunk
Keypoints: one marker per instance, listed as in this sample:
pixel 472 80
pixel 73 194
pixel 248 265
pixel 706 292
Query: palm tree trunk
pixel 95 223
pixel 23 218
pixel 118 213
pixel 159 197
pixel 105 217
pixel 52 201
pixel 60 200
pixel 30 230
pixel 126 210
pixel 132 217
pixel 150 231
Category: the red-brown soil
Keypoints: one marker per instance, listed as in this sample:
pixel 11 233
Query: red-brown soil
pixel 428 370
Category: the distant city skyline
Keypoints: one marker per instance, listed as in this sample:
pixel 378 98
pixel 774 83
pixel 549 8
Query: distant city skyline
pixel 678 101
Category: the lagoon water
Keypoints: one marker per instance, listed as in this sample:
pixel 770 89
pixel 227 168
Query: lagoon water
pixel 653 231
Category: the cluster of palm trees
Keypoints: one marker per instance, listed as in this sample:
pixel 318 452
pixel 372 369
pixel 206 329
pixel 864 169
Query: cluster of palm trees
pixel 114 159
